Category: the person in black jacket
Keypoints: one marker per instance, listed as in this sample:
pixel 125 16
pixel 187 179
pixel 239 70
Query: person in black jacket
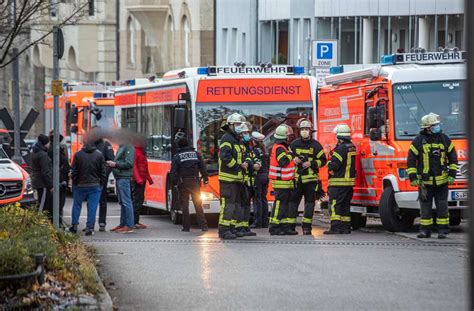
pixel 261 182
pixel 64 169
pixel 342 177
pixel 108 153
pixel 42 174
pixel 185 169
pixel 88 177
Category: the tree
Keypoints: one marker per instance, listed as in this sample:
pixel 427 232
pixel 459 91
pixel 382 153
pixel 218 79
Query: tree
pixel 19 17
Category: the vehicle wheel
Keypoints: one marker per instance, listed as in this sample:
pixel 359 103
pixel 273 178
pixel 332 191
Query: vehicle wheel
pixel 392 219
pixel 358 221
pixel 176 218
pixel 455 218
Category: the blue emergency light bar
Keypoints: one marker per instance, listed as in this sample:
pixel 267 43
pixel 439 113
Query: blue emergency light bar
pixel 444 57
pixel 251 70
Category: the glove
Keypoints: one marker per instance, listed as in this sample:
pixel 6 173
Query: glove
pixel 451 180
pixel 415 182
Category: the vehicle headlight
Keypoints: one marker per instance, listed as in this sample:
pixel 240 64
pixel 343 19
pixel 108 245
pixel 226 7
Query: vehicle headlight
pixel 29 186
pixel 208 196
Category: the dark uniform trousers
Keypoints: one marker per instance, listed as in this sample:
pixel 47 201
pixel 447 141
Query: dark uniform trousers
pixel 138 197
pixel 191 187
pixel 440 196
pixel 103 201
pixel 230 205
pixel 340 207
pixel 45 200
pixel 280 211
pixel 246 194
pixel 308 190
pixel 261 204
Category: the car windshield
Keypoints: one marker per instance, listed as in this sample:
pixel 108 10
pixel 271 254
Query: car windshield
pixel 107 119
pixel 264 117
pixel 414 100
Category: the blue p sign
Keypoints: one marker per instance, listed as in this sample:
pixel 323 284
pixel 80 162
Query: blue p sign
pixel 324 51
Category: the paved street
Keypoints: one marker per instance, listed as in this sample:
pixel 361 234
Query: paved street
pixel 161 268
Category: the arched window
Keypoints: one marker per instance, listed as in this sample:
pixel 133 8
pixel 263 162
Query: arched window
pixel 186 40
pixel 131 41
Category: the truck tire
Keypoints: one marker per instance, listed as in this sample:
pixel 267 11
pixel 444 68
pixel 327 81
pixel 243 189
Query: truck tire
pixel 174 215
pixel 392 219
pixel 455 218
pixel 358 221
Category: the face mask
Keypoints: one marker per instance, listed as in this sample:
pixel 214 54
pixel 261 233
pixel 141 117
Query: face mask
pixel 304 133
pixel 246 137
pixel 237 129
pixel 436 128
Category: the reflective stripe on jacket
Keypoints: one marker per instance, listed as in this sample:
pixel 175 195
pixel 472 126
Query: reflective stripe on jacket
pixel 282 167
pixel 231 154
pixel 312 151
pixel 341 167
pixel 432 158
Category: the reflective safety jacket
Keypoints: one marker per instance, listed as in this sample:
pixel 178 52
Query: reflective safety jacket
pixel 282 167
pixel 312 151
pixel 231 157
pixel 432 158
pixel 341 167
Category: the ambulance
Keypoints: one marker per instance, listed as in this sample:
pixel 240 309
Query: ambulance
pixel 197 101
pixel 383 105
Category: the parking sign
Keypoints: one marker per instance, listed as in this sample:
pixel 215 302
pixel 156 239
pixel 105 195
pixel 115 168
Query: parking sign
pixel 323 57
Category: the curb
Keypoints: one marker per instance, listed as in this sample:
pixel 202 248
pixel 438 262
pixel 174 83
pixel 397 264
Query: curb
pixel 104 302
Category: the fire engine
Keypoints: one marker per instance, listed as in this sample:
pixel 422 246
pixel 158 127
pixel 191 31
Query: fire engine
pixel 383 105
pixel 198 100
pixel 83 106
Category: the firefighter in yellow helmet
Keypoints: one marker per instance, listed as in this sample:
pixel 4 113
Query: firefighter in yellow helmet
pixel 231 175
pixel 309 158
pixel 432 165
pixel 342 176
pixel 281 174
pixel 247 191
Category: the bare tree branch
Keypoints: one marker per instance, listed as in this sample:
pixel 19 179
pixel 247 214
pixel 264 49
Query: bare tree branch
pixel 31 15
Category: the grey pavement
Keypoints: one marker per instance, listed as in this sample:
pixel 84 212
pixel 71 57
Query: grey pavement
pixel 162 268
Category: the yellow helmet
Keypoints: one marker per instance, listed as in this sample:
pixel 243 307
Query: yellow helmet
pixel 429 120
pixel 304 123
pixel 235 118
pixel 281 132
pixel 342 130
pixel 245 127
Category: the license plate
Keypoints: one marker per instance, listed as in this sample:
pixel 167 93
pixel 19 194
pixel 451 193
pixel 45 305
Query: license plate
pixel 358 209
pixel 459 195
pixel 206 206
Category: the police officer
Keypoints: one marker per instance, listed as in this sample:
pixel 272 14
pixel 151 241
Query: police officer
pixel 247 189
pixel 432 165
pixel 342 175
pixel 185 168
pixel 309 158
pixel 260 181
pixel 282 174
pixel 231 178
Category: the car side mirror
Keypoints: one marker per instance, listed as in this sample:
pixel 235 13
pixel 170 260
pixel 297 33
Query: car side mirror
pixel 180 118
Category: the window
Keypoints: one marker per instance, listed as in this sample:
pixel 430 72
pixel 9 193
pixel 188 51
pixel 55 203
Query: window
pixel 186 37
pixel 131 41
pixel 91 7
pixel 264 117
pixel 414 100
pixel 158 132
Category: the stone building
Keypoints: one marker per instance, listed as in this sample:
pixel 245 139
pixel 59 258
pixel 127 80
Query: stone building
pixel 160 35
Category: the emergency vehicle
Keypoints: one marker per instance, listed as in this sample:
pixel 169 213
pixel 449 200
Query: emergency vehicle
pixel 198 100
pixel 82 106
pixel 383 106
pixel 15 183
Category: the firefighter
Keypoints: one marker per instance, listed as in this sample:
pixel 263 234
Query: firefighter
pixel 261 182
pixel 231 178
pixel 282 174
pixel 309 158
pixel 247 189
pixel 341 181
pixel 185 168
pixel 432 165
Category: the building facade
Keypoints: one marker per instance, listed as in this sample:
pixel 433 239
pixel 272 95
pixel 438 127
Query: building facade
pixel 365 29
pixel 160 35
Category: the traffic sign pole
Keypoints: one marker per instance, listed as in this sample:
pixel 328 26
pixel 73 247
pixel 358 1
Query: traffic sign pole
pixel 56 127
